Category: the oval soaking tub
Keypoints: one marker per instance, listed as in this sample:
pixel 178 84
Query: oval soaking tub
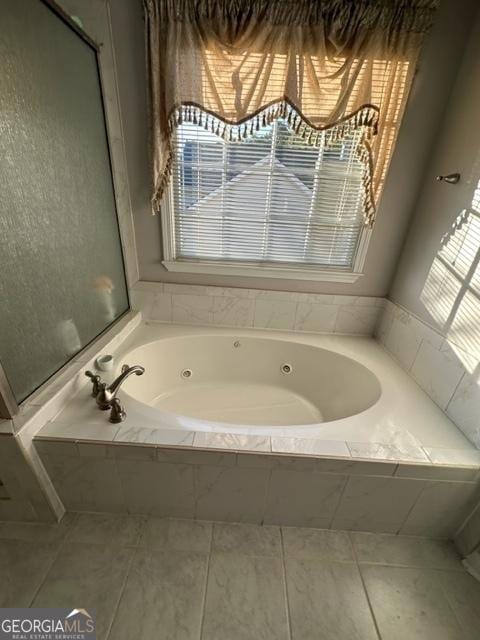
pixel 248 381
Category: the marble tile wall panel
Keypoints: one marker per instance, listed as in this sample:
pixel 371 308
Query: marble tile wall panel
pixel 157 488
pixel 376 504
pixel 257 488
pixel 302 498
pixel 319 313
pixel 232 494
pixel 445 370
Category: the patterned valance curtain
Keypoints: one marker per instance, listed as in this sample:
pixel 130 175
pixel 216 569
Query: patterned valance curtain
pixel 233 66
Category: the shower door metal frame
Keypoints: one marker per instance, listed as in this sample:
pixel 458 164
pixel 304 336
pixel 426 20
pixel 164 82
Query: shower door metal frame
pixel 9 406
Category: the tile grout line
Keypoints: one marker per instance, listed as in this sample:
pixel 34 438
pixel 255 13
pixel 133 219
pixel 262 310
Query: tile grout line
pixel 207 576
pixel 445 588
pixel 285 586
pixel 340 498
pixel 265 499
pixel 464 374
pixel 134 547
pixel 195 484
pixel 120 595
pixel 55 557
pixel 409 370
pixel 415 502
pixel 352 542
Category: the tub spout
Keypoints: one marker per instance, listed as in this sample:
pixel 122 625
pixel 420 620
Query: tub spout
pixel 106 395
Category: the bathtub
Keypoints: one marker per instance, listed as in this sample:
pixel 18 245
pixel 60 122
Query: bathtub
pixel 262 382
pixel 262 426
pixel 250 382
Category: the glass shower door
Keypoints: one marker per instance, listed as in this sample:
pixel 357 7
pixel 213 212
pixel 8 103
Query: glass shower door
pixel 62 279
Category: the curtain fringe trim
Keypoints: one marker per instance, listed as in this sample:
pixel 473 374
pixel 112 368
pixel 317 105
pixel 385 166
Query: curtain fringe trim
pixel 365 118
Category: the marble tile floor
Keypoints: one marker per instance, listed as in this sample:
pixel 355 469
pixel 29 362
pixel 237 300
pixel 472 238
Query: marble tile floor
pixel 164 579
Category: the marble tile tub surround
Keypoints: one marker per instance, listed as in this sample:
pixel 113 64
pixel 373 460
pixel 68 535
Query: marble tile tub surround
pixel 243 482
pixel 301 480
pixel 444 370
pixel 235 307
pixel 212 581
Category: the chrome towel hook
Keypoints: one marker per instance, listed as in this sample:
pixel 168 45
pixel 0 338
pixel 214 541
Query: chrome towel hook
pixel 451 178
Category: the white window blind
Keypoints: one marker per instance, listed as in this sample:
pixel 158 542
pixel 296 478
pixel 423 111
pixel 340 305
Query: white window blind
pixel 451 293
pixel 461 245
pixel 269 199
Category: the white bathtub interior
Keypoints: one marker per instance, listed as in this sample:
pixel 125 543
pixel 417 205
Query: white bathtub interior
pixel 250 381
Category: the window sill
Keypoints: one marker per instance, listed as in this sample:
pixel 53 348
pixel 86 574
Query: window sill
pixel 261 271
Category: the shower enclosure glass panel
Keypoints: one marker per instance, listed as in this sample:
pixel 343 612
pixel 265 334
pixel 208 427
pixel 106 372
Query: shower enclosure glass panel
pixel 62 279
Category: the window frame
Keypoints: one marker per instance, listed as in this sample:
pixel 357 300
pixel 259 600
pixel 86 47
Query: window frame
pixel 255 269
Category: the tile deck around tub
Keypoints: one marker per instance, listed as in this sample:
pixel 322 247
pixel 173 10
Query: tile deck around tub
pixel 302 453
pixel 197 580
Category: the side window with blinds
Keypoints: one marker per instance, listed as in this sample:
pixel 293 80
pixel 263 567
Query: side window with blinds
pixel 270 199
pixel 451 293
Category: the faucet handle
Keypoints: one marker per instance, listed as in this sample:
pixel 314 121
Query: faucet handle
pixel 102 402
pixel 118 413
pixel 96 381
pixel 125 367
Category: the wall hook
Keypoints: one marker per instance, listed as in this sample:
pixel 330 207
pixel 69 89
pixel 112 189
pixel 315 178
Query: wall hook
pixel 451 178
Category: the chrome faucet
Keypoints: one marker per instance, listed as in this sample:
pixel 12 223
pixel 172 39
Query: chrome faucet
pixel 107 395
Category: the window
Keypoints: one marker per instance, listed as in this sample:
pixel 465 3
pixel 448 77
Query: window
pixel 271 200
pixel 451 293
pixel 278 197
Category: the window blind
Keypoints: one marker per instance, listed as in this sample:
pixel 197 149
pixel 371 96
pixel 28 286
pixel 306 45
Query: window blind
pixel 387 81
pixel 268 199
pixel 452 290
